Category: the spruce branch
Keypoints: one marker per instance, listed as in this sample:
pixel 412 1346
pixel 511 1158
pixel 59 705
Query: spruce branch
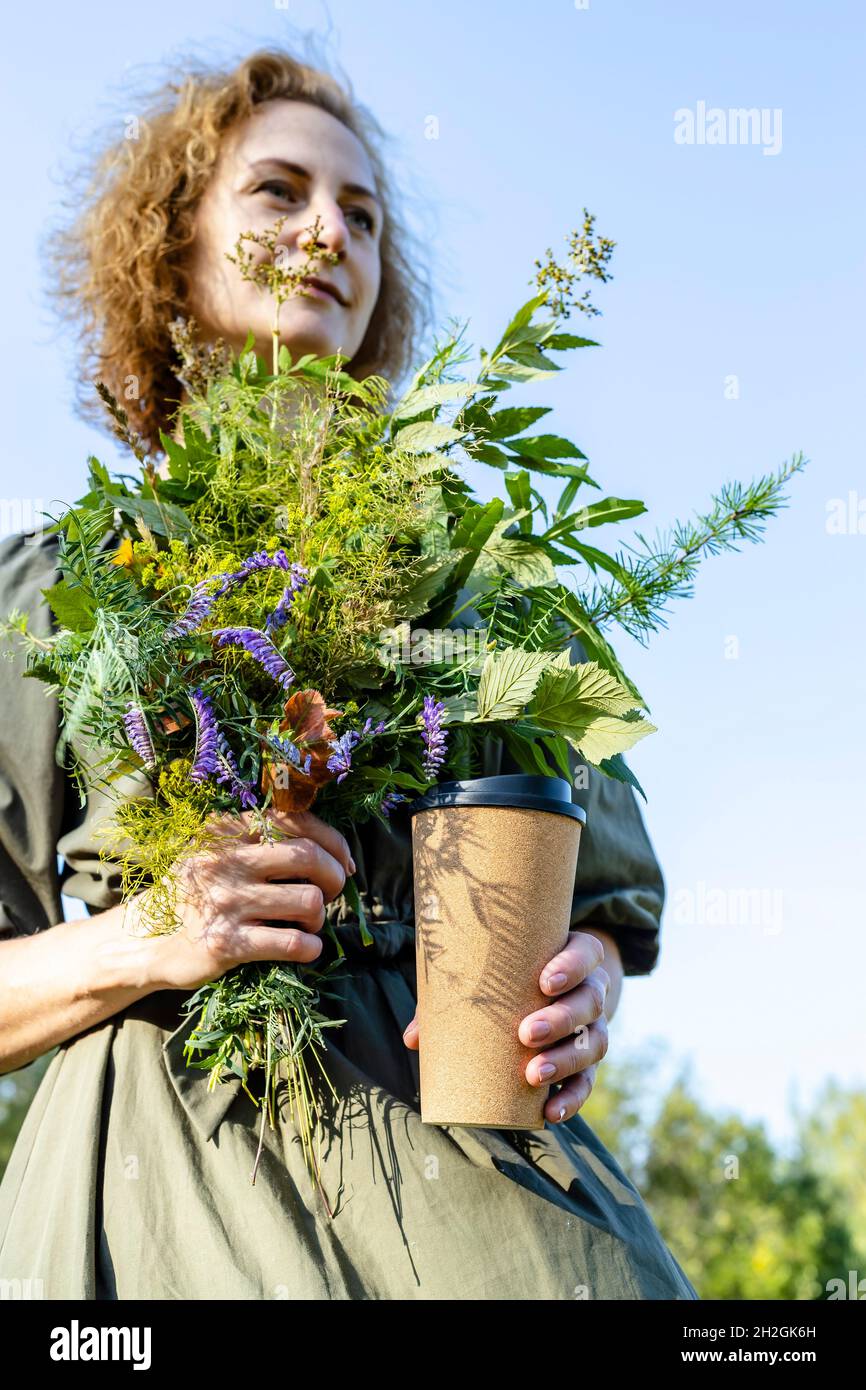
pixel 665 569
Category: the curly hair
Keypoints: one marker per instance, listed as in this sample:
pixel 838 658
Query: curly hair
pixel 118 266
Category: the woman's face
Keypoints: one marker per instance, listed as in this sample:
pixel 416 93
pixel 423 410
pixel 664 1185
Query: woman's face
pixel 290 158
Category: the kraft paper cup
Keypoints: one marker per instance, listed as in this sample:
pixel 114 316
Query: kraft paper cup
pixel 494 861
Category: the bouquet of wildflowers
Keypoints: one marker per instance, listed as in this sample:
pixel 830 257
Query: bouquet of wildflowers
pixel 255 622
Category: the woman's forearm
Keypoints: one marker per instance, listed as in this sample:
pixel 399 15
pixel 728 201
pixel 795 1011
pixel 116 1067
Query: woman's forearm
pixel 56 983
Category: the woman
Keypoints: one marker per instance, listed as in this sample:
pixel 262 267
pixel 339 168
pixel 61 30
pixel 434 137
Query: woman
pixel 130 1179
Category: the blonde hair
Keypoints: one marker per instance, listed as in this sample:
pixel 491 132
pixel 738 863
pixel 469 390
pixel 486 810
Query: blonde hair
pixel 118 266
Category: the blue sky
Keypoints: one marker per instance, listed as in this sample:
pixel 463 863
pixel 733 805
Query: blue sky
pixel 730 262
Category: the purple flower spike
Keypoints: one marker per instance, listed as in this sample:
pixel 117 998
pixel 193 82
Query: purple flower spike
pixel 340 760
pixel 139 735
pixel 280 614
pixel 207 738
pixel 259 560
pixel 260 648
pixel 198 607
pixel 389 801
pixel 435 741
pixel 291 752
pixel 228 771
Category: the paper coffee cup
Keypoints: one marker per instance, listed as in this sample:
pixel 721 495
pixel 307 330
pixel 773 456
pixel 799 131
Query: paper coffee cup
pixel 494 861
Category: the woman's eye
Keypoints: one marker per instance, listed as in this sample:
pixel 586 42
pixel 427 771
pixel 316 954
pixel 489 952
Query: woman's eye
pixel 286 191
pixel 368 220
pixel 274 183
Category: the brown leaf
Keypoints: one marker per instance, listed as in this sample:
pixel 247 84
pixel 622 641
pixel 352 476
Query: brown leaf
pixel 306 723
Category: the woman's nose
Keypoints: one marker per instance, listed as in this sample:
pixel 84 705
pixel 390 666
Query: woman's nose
pixel 332 231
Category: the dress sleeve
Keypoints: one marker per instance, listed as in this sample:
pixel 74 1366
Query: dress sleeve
pixel 49 843
pixel 32 786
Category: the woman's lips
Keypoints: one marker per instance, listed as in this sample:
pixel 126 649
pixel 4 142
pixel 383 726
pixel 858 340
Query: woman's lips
pixel 316 292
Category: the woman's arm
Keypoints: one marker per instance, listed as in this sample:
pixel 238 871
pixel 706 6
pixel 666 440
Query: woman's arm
pixel 62 980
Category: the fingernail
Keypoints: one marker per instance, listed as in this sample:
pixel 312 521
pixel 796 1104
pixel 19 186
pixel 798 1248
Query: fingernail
pixel 538 1029
pixel 556 981
pixel 547 1070
pixel 352 865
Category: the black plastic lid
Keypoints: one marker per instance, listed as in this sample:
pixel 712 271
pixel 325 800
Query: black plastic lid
pixel 523 789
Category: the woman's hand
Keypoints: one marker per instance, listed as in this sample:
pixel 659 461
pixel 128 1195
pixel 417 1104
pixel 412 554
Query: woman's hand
pixel 229 894
pixel 580 983
pixel 579 1017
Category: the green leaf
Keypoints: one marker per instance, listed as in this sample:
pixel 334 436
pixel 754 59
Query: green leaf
pixel 585 686
pixel 487 453
pixel 178 464
pixel 619 769
pixel 426 435
pixel 608 509
pixel 385 776
pixel 596 559
pixel 559 749
pixel 164 518
pixel 560 341
pixel 508 680
pixel 525 752
pixel 506 372
pixel 504 423
pixel 477 523
pixel 602 736
pixel 545 446
pixel 520 492
pixel 428 397
pixel 73 608
pixel 460 709
pixel 526 561
pixel 530 355
pixel 432 574
pixel 520 320
pixel 353 900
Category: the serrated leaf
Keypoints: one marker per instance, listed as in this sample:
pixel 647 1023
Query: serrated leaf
pixel 545 446
pixel 426 435
pixel 561 341
pixel 508 681
pixel 568 693
pixel 602 736
pixel 73 608
pixel 460 709
pixel 428 397
pixel 526 561
pixel 505 423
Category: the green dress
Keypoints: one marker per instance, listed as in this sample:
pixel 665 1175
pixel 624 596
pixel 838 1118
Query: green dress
pixel 130 1179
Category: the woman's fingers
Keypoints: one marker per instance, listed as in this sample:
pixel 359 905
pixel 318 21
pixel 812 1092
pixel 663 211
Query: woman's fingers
pixel 583 1049
pixel 285 902
pixel 289 860
pixel 571 1096
pixel 577 959
pixel 280 943
pixel 305 824
pixel 580 1006
pixel 292 825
